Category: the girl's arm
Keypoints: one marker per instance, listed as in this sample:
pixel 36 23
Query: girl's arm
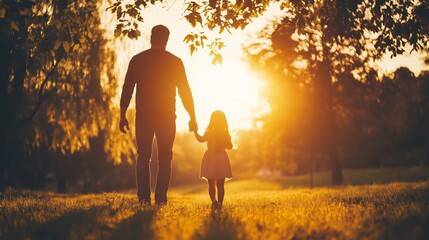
pixel 199 137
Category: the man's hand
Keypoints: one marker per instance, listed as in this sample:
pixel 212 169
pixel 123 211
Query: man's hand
pixel 193 126
pixel 124 125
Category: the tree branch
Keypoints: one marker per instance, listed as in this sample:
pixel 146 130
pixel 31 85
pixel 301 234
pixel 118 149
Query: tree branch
pixel 41 98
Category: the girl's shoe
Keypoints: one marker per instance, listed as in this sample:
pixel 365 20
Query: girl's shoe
pixel 219 205
pixel 214 205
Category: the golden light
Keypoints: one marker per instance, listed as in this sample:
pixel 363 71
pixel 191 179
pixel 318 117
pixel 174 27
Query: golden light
pixel 229 87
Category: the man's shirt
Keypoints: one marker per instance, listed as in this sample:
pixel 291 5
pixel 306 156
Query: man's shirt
pixel 157 74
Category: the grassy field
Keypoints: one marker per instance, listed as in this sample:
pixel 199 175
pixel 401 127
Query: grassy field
pixel 253 209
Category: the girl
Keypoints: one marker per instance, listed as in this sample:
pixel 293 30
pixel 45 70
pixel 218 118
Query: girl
pixel 215 165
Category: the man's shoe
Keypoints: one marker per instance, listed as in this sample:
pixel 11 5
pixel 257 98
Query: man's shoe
pixel 161 202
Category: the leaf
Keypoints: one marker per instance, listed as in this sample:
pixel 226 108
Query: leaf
pixel 76 47
pixel 192 48
pixel 188 38
pixel 191 19
pixel 217 59
pixel 119 12
pixel 202 40
pixel 66 46
pixel 221 45
pixel 118 32
pixel 14 26
pixel 58 25
pixel 199 19
pixel 57 44
pixel 2 13
pixel 132 34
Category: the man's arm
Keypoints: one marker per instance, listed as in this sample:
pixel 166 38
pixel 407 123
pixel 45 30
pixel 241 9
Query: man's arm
pixel 186 96
pixel 124 126
pixel 127 93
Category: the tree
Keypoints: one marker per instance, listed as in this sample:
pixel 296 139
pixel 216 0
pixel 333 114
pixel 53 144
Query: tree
pixel 364 28
pixel 56 80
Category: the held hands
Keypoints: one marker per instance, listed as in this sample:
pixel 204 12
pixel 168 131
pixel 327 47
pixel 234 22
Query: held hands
pixel 193 126
pixel 124 125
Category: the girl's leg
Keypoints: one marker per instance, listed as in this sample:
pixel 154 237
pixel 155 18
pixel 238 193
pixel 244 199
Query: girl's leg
pixel 212 189
pixel 220 190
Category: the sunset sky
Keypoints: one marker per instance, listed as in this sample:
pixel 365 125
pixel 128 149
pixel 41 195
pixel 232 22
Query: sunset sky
pixel 232 86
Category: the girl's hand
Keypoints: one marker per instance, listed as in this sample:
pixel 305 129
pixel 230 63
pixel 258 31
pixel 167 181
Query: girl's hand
pixel 193 126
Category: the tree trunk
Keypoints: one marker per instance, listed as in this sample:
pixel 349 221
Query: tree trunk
pixel 326 94
pixel 426 137
pixel 337 173
pixel 2 180
pixel 336 169
pixel 4 81
pixel 12 56
pixel 61 183
pixel 60 178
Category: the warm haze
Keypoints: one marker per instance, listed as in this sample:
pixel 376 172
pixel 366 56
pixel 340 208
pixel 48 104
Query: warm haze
pixel 323 143
pixel 232 86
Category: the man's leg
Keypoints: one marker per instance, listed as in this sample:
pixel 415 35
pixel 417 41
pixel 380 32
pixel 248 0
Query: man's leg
pixel 165 134
pixel 144 137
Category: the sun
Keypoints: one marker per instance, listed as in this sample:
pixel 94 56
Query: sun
pixel 229 87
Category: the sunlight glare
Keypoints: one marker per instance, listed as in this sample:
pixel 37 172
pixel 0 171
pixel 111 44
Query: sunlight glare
pixel 230 88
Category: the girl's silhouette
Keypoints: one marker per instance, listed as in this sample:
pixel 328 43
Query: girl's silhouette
pixel 215 165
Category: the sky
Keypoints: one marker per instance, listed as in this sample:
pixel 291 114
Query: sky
pixel 231 87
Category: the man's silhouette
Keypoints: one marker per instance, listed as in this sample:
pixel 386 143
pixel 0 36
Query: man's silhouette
pixel 157 74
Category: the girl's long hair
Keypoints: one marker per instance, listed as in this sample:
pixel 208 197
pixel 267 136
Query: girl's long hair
pixel 219 131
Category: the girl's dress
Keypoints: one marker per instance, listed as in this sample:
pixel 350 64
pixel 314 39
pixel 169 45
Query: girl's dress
pixel 215 163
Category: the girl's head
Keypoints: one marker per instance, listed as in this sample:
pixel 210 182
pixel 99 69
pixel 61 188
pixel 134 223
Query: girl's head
pixel 218 121
pixel 218 131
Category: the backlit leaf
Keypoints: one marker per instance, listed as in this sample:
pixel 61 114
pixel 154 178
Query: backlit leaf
pixel 14 26
pixel 66 46
pixel 2 13
pixel 57 44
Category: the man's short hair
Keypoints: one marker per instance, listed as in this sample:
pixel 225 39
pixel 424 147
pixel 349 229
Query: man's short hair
pixel 160 34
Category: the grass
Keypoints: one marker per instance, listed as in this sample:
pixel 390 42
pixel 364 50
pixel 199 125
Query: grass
pixel 253 209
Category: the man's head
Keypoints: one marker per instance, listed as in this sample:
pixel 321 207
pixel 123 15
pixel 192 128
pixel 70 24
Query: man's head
pixel 159 36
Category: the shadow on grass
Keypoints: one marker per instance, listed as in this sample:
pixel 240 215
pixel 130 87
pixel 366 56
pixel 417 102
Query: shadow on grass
pixel 74 224
pixel 89 224
pixel 411 228
pixel 219 225
pixel 138 226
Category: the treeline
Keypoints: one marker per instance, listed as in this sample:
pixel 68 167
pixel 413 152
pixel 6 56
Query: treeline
pixel 380 122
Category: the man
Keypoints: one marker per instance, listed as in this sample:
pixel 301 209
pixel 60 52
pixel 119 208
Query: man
pixel 157 74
